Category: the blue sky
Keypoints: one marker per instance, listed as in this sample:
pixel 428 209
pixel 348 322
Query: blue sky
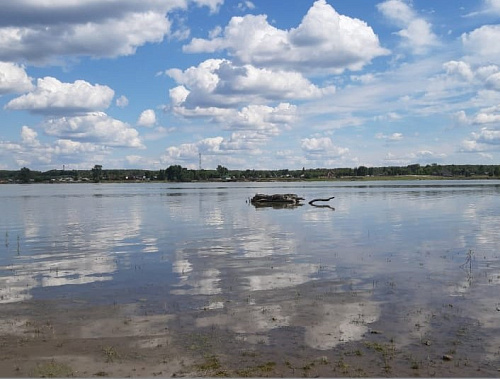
pixel 261 84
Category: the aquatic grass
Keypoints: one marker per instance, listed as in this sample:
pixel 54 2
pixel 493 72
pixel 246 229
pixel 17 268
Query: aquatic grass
pixel 267 367
pixel 244 373
pixel 387 351
pixel 52 369
pixel 110 353
pixel 101 374
pixel 343 366
pixel 250 353
pixel 323 360
pixel 260 370
pixel 308 366
pixel 212 366
pixel 357 353
pixel 467 266
pixel 211 363
pixel 200 342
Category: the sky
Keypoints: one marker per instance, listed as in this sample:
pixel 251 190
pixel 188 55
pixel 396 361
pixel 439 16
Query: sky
pixel 261 84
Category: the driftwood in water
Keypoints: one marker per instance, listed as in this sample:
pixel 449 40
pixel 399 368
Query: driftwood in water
pixel 286 198
pixel 315 200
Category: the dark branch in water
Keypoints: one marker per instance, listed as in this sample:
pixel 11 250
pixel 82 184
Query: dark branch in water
pixel 315 200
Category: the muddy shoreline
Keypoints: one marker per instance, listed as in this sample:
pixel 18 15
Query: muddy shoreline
pixel 72 337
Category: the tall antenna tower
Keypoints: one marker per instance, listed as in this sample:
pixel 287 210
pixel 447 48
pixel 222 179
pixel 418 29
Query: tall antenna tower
pixel 199 156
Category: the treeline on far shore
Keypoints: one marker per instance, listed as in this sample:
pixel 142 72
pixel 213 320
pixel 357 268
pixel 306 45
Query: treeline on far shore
pixel 177 173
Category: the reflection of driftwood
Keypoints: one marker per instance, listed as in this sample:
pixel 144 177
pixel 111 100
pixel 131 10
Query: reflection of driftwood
pixel 315 200
pixel 277 205
pixel 323 206
pixel 287 198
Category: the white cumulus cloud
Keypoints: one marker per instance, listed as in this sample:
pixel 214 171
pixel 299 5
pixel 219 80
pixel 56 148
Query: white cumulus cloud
pixel 486 139
pixel 29 150
pixel 176 154
pixel 252 127
pixel 42 31
pixel 244 5
pixel 488 136
pixel 246 142
pixel 50 96
pixel 96 127
pixel 459 68
pixel 220 83
pixel 29 137
pixel 493 81
pixel 492 6
pixel 322 146
pixel 213 5
pixel 147 118
pixel 416 32
pixel 64 147
pixel 482 44
pixel 13 79
pixel 424 156
pixel 122 101
pixel 265 119
pixel 324 42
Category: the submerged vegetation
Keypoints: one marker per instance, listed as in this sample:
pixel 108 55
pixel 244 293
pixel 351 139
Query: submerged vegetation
pixel 177 173
pixel 52 369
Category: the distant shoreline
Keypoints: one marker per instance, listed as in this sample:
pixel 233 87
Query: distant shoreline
pixel 177 173
pixel 272 180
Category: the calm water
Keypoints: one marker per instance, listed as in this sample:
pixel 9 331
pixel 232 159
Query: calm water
pixel 391 255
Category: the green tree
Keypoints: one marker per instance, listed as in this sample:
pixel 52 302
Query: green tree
pixel 161 175
pixel 97 173
pixel 414 169
pixel 174 173
pixel 25 175
pixel 222 171
pixel 497 171
pixel 362 171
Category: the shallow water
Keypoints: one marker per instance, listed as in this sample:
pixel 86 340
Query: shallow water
pixel 415 261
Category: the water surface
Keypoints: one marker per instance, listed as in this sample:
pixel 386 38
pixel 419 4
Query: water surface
pixel 414 260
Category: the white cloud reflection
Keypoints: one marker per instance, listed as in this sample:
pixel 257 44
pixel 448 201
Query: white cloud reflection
pixel 340 323
pixel 75 245
pixel 204 282
pixel 15 288
pixel 290 275
pixel 249 320
pixel 53 271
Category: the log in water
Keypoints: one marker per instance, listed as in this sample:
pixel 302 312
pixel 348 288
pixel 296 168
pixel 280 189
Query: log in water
pixel 289 198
